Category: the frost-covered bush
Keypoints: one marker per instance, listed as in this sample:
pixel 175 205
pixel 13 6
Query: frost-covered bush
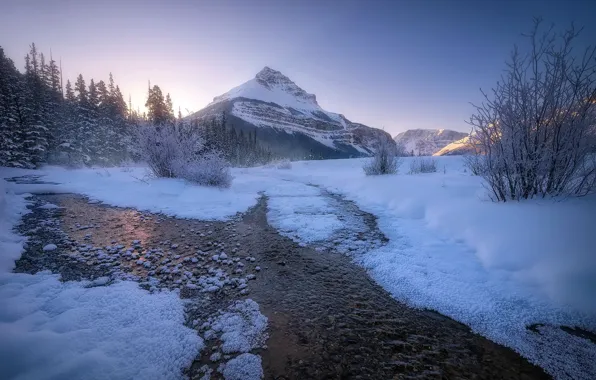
pixel 208 169
pixel 283 164
pixel 476 163
pixel 179 153
pixel 535 131
pixel 163 146
pixel 423 165
pixel 384 161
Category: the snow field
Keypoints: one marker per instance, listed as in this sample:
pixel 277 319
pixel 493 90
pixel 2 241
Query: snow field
pixel 496 267
pixel 55 330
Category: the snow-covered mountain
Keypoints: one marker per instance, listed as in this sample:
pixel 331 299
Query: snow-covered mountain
pixel 426 142
pixel 289 121
pixel 456 148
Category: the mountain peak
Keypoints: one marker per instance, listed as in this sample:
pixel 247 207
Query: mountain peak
pixel 272 79
pixel 269 76
pixel 290 121
pixel 273 87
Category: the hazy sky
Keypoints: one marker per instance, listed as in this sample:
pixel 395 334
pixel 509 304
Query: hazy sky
pixel 391 64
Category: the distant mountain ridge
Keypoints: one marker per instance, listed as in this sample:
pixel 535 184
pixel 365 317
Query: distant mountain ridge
pixel 459 147
pixel 289 121
pixel 427 142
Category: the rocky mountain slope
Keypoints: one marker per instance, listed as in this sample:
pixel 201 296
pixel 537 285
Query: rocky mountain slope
pixel 289 121
pixel 426 142
pixel 458 147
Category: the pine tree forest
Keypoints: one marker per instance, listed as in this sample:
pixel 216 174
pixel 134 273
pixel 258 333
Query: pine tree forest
pixel 44 120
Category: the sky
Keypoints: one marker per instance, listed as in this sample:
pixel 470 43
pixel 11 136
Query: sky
pixel 396 65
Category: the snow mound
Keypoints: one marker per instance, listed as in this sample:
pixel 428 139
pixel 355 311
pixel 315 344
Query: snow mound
pixel 242 327
pixel 244 367
pixel 12 207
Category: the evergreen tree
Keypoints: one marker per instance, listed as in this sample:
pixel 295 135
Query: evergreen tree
pixel 119 105
pixel 34 128
pixel 53 78
pixel 81 89
pixel 118 136
pixel 70 95
pixel 170 108
pixel 12 115
pixel 111 86
pixel 42 69
pixel 93 97
pixel 84 142
pixel 158 112
pixel 103 97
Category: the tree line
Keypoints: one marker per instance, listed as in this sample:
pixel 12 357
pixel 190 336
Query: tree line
pixel 43 120
pixel 41 123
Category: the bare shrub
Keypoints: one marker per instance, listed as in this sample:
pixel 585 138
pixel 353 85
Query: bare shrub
pixel 534 131
pixel 423 165
pixel 384 161
pixel 208 169
pixel 476 163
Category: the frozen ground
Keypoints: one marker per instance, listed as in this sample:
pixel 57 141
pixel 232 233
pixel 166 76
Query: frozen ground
pixel 498 268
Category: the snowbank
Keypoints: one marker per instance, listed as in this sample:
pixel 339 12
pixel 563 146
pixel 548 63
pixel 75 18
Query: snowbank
pixel 12 207
pixel 132 187
pixel 56 330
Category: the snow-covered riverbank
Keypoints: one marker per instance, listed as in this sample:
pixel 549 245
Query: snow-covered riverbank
pixel 498 268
